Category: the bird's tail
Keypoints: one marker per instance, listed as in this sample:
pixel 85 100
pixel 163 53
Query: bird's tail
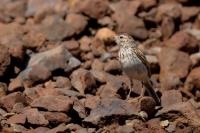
pixel 151 91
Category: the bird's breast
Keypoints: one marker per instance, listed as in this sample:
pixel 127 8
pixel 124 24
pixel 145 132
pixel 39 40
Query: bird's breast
pixel 132 65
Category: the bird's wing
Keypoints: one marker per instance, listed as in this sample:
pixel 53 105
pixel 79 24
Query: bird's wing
pixel 142 57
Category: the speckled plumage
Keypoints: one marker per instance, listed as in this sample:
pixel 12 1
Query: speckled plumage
pixel 134 63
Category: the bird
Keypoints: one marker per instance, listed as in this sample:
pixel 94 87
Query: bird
pixel 134 64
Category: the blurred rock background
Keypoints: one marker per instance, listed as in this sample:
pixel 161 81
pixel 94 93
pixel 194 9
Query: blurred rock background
pixel 59 70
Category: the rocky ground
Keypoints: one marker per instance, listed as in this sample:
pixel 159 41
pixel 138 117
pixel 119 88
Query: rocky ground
pixel 59 70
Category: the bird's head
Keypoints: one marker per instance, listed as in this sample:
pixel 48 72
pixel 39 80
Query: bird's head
pixel 124 40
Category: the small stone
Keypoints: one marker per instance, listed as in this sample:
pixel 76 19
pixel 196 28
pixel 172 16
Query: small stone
pixel 53 103
pixel 193 79
pixel 97 65
pixel 164 123
pixel 189 12
pixel 56 117
pixel 82 80
pixel 17 119
pixel 63 82
pixel 170 97
pixel 4 59
pixel 93 8
pixel 172 10
pixel 183 41
pixel 148 105
pixel 60 128
pixel 91 101
pixel 85 43
pixel 112 65
pixel 77 21
pixel 167 27
pixel 11 99
pixel 71 45
pixel 105 34
pixel 3 89
pixel 110 107
pixel 41 65
pixel 170 75
pixel 35 117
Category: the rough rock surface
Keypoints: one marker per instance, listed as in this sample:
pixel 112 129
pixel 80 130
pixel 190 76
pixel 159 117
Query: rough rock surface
pixel 59 70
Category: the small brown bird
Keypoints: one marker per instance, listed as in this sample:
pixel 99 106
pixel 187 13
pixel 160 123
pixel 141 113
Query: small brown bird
pixel 134 64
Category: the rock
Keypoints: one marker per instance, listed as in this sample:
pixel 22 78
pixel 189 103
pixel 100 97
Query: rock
pixel 106 21
pixel 97 47
pixel 79 108
pixel 18 108
pixel 88 57
pixel 189 12
pixel 15 84
pixel 32 93
pixel 195 58
pixel 15 9
pixel 108 90
pixel 42 64
pixel 82 80
pixel 91 102
pixel 71 45
pixel 3 89
pixel 131 25
pixel 63 82
pixel 108 108
pixel 15 45
pixel 105 34
pixel 93 8
pixel 85 43
pixel 97 65
pixel 35 7
pixel 146 4
pixel 193 79
pixel 56 117
pixel 170 97
pixel 167 27
pixel 11 99
pixel 172 10
pixel 112 65
pixel 53 103
pixel 125 129
pixel 77 21
pixel 17 119
pixel 101 76
pixel 40 130
pixel 33 40
pixel 35 117
pixel 125 7
pixel 173 67
pixel 183 41
pixel 148 105
pixel 54 28
pixel 154 125
pixel 60 128
pixel 70 93
pixel 18 128
pixel 186 109
pixel 4 59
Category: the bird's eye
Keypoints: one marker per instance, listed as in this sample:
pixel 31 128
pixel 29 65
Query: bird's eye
pixel 120 37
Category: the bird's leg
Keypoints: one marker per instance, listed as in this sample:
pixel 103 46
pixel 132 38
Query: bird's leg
pixel 140 96
pixel 130 90
pixel 142 91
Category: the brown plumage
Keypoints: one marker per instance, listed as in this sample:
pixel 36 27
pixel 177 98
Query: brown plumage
pixel 134 63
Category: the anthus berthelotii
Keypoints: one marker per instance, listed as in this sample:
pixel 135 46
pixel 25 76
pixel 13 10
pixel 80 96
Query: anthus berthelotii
pixel 134 64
